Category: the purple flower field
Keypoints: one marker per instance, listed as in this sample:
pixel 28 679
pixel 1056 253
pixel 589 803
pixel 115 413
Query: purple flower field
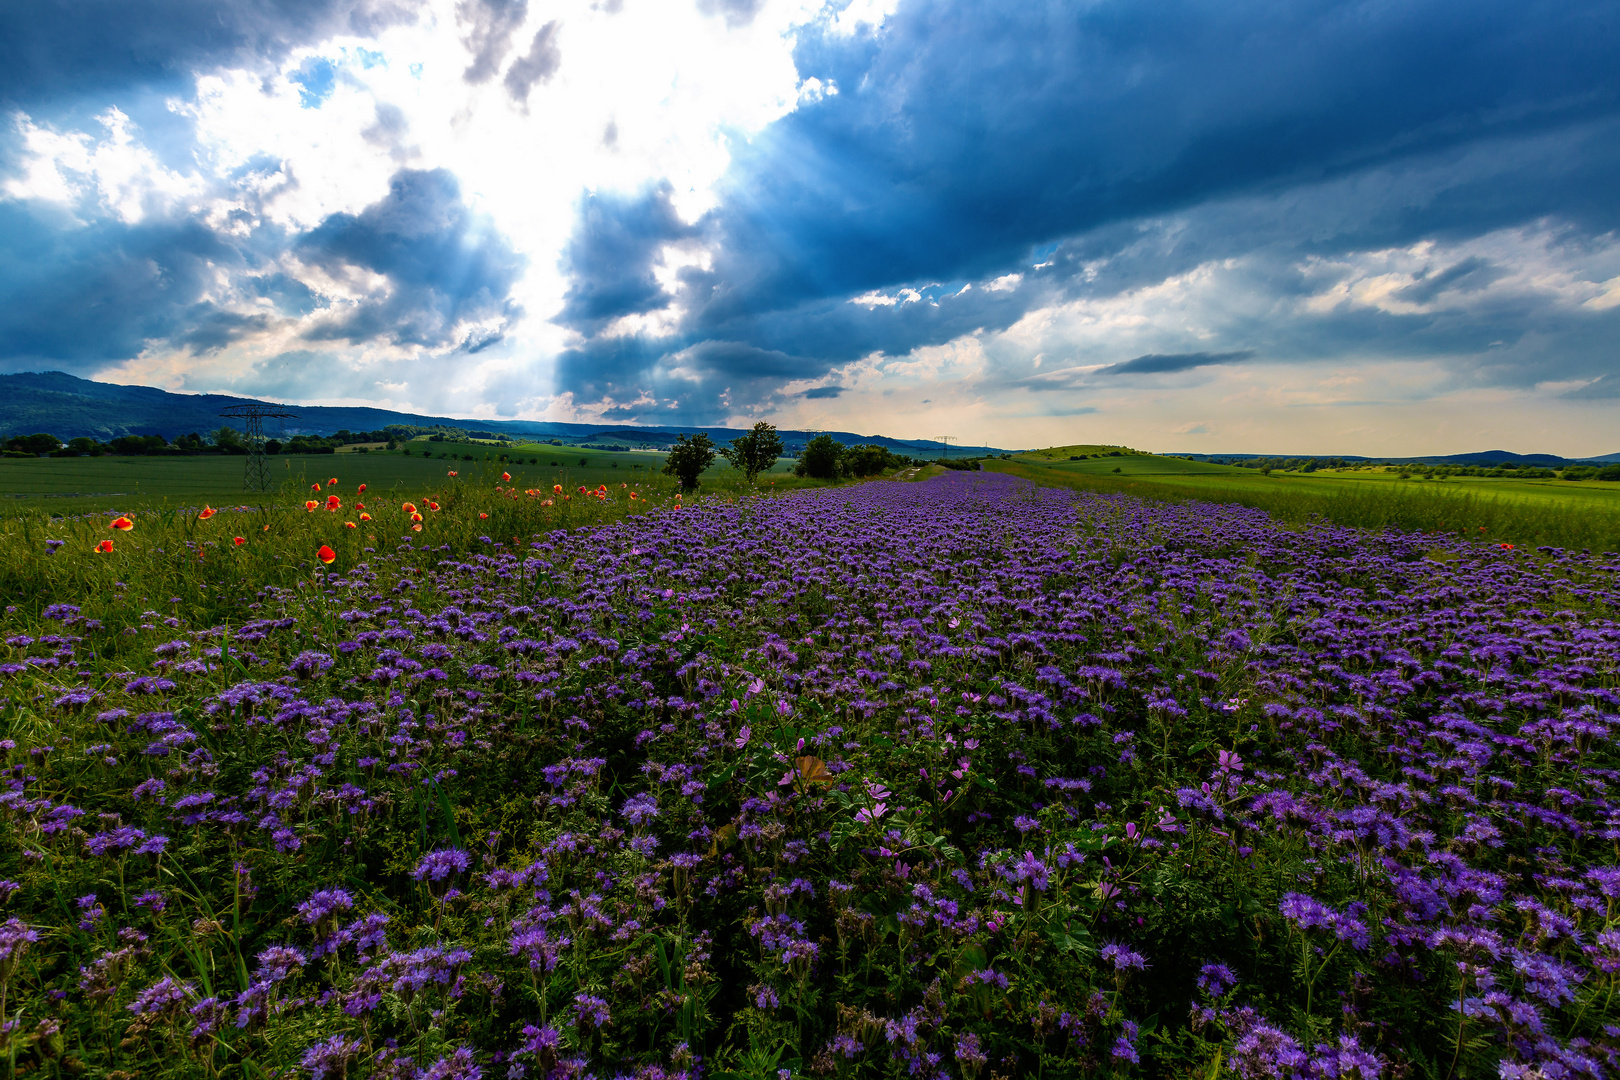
pixel 960 778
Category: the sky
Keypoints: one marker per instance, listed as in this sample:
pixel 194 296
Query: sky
pixel 1267 226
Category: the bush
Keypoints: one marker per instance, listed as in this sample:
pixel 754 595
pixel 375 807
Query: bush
pixel 820 458
pixel 690 455
pixel 868 460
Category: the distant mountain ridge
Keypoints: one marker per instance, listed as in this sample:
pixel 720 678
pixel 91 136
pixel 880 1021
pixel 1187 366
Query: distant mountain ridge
pixel 67 406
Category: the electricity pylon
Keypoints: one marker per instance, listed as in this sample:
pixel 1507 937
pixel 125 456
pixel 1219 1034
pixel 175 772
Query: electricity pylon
pixel 257 475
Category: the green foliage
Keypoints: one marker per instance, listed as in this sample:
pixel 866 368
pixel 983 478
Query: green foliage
pixel 690 455
pixel 820 458
pixel 754 452
pixel 869 459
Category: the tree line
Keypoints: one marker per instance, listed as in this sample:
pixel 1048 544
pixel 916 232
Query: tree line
pixel 823 457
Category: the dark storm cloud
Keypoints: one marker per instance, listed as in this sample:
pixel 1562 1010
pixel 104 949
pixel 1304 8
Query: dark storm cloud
pixel 1166 363
pixel 967 136
pixel 823 392
pixel 444 264
pixel 80 297
pixel 490 25
pixel 60 48
pixel 612 256
pixel 537 66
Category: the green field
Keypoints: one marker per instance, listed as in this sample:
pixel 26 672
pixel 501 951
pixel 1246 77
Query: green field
pixel 1563 513
pixel 81 484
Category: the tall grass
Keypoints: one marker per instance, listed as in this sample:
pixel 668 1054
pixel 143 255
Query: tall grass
pixel 177 565
pixel 1409 508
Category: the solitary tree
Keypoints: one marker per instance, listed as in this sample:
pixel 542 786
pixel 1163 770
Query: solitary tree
pixel 690 455
pixel 820 458
pixel 754 452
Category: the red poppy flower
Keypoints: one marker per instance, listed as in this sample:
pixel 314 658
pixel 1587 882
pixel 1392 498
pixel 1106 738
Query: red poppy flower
pixel 332 482
pixel 362 489
pixel 206 513
pixel 333 502
pixel 326 555
pixel 365 517
pixel 122 524
pixel 104 547
pixel 238 540
pixel 506 476
pixel 311 505
pixel 409 508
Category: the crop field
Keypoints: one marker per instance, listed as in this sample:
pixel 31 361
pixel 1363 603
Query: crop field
pixel 964 777
pixel 1565 513
pixel 81 484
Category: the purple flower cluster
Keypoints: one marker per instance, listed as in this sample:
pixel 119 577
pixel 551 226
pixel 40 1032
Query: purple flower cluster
pixel 937 776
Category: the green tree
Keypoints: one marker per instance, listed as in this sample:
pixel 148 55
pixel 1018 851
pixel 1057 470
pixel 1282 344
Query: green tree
pixel 868 460
pixel 39 443
pixel 820 458
pixel 690 455
pixel 754 452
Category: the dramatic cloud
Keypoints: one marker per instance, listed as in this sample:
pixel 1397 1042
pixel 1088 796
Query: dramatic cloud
pixel 441 266
pixel 50 50
pixel 1191 225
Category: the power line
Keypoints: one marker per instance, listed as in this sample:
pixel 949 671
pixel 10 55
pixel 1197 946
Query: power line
pixel 256 477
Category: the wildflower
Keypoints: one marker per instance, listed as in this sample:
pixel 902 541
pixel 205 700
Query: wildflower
pixel 331 1058
pixel 365 517
pixel 438 865
pixel 590 1011
pixel 408 508
pixel 206 512
pixel 311 505
pixel 315 487
pixel 360 490
pixel 453 472
pixel 433 506
pixel 483 516
pixel 105 547
pixel 326 555
pixel 506 476
pixel 122 524
pixel 332 482
pixel 333 502
pixel 238 540
pixel 556 489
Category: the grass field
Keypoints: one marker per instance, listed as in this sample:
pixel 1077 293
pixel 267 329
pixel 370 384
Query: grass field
pixel 77 485
pixel 1563 513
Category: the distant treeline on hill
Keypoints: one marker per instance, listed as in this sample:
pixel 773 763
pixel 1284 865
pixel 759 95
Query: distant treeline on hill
pixel 1427 470
pixel 224 440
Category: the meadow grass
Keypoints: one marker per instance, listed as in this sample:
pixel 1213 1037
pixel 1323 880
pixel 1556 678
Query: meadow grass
pixel 86 484
pixel 177 560
pixel 1557 513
